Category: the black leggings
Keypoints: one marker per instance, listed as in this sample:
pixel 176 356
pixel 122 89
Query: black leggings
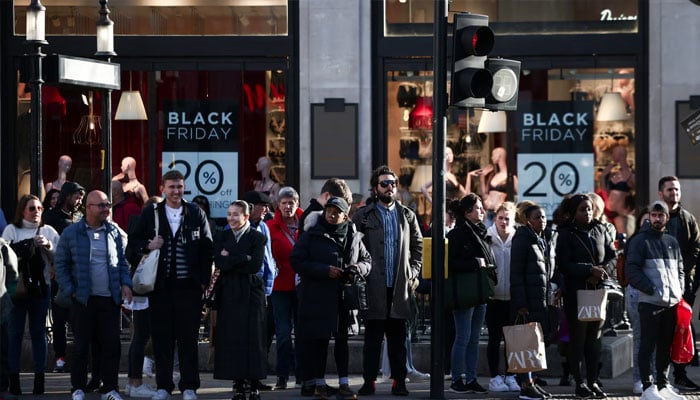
pixel 585 343
pixel 497 316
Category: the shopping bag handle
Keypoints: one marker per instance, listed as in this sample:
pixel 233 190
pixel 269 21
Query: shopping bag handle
pixel 520 317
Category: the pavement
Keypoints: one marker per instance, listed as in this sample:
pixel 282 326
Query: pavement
pixel 58 387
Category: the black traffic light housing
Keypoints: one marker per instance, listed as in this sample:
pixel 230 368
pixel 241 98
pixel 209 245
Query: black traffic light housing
pixel 504 90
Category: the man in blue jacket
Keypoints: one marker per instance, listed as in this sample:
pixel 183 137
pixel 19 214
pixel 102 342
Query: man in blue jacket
pixel 93 277
pixel 654 266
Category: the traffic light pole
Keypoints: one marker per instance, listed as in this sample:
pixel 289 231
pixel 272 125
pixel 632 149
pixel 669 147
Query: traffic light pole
pixel 437 333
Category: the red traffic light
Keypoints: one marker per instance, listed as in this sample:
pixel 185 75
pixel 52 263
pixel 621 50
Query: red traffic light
pixel 476 40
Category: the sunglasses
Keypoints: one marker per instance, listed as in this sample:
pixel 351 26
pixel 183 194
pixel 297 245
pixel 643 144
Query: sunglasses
pixel 386 182
pixel 102 205
pixel 35 208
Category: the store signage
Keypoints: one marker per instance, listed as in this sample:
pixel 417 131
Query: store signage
pixel 79 71
pixel 555 151
pixel 200 139
pixel 607 15
pixel 691 125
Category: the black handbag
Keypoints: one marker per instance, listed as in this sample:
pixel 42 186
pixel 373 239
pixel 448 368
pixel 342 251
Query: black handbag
pixel 469 289
pixel 355 293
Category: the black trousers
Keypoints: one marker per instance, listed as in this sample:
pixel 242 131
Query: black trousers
pixel 60 316
pixel 658 325
pixel 497 316
pixel 141 320
pixel 97 321
pixel 175 317
pixel 585 342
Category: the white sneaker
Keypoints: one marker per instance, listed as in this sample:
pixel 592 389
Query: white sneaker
pixel 512 383
pixel 637 387
pixel 161 394
pixel 148 367
pixel 652 393
pixel 417 376
pixel 144 391
pixel 189 394
pixel 496 384
pixel 78 395
pixel 113 395
pixel 669 394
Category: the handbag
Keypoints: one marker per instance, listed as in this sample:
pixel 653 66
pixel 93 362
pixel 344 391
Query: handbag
pixel 21 292
pixel 468 289
pixel 683 346
pixel 525 350
pixel 144 280
pixel 591 304
pixel 355 293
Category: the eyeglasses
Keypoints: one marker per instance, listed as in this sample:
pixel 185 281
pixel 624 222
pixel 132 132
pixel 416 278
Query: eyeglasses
pixel 102 205
pixel 386 182
pixel 35 208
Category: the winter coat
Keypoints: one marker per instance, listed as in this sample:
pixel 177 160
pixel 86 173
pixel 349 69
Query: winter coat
pixel 73 263
pixel 467 242
pixel 578 250
pixel 281 249
pixel 654 265
pixel 683 226
pixel 531 270
pixel 320 296
pixel 240 350
pixel 409 260
pixel 8 278
pixel 194 230
pixel 502 255
pixel 28 255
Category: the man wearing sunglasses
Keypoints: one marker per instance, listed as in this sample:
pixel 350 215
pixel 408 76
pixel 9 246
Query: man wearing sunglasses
pixel 93 276
pixel 392 236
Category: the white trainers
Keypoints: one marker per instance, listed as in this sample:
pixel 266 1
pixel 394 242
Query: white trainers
pixel 144 391
pixel 113 395
pixel 637 387
pixel 651 393
pixel 189 394
pixel 417 376
pixel 161 394
pixel 669 394
pixel 512 383
pixel 496 384
pixel 148 367
pixel 78 395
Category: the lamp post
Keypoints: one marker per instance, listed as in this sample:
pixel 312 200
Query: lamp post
pixel 105 49
pixel 36 37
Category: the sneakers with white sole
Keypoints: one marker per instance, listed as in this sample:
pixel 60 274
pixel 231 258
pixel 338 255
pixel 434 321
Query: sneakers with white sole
pixel 496 384
pixel 669 394
pixel 637 387
pixel 112 395
pixel 651 393
pixel 417 376
pixel 161 394
pixel 78 395
pixel 189 394
pixel 512 383
pixel 148 367
pixel 144 391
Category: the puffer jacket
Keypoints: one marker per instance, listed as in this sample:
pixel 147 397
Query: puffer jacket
pixel 73 263
pixel 654 265
pixel 502 255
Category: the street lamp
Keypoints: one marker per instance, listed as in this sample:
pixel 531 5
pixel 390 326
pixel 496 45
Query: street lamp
pixel 36 37
pixel 105 49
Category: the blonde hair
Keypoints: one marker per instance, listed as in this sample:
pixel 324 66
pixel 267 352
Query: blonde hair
pixel 598 206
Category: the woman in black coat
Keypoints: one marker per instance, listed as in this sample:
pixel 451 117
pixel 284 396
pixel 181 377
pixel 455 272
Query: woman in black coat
pixel 330 249
pixel 239 340
pixel 585 251
pixel 531 271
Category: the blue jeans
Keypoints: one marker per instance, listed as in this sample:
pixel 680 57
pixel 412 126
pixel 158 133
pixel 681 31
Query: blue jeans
pixel 465 350
pixel 36 308
pixel 284 310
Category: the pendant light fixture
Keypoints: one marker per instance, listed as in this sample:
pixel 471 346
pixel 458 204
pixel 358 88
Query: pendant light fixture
pixel 131 105
pixel 612 107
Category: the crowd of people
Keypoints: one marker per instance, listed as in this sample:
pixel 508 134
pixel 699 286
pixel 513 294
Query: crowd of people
pixel 276 270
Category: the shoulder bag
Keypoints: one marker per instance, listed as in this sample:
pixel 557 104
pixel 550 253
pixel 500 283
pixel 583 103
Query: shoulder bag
pixel 144 280
pixel 355 293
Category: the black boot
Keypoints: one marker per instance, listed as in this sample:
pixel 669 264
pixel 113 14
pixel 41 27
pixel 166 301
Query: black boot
pixel 15 387
pixel 565 375
pixel 38 383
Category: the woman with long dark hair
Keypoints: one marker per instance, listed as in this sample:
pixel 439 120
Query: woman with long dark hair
pixel 585 251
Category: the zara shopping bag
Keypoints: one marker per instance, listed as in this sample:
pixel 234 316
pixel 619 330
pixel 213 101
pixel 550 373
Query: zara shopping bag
pixel 144 279
pixel 525 349
pixel 591 304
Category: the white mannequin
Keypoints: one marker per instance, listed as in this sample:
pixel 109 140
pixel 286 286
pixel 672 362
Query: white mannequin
pixel 266 185
pixel 129 181
pixel 64 165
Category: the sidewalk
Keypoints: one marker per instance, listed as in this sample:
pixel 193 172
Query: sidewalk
pixel 58 387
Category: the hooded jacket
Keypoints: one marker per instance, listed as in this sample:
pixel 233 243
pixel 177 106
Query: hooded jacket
pixel 502 255
pixel 654 266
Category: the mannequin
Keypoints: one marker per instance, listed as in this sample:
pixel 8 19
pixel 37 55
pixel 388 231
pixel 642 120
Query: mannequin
pixel 130 184
pixel 493 179
pixel 618 180
pixel 64 165
pixel 453 189
pixel 266 185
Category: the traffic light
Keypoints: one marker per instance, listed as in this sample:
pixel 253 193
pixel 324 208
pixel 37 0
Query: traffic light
pixel 478 81
pixel 473 40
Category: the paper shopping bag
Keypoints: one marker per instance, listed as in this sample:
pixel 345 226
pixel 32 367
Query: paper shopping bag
pixel 591 304
pixel 525 348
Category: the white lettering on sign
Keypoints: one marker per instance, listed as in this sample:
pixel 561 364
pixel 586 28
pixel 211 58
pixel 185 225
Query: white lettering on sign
pixel 212 118
pixel 524 359
pixel 607 15
pixel 551 135
pixel 588 312
pixel 197 133
pixel 566 119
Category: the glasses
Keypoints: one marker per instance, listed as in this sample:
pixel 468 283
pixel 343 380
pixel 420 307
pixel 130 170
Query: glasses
pixel 35 208
pixel 102 205
pixel 386 182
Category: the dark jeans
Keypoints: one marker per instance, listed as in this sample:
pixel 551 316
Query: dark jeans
pixel 175 317
pixel 99 320
pixel 341 351
pixel 395 330
pixel 60 316
pixel 284 309
pixel 4 370
pixel 497 316
pixel 141 319
pixel 36 308
pixel 584 343
pixel 658 326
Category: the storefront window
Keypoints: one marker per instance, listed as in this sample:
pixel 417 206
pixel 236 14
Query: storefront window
pixel 166 17
pixel 573 132
pixel 515 17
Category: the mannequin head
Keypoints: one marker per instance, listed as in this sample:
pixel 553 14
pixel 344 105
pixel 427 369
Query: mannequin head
pixel 498 155
pixel 449 155
pixel 263 164
pixel 619 154
pixel 128 165
pixel 64 163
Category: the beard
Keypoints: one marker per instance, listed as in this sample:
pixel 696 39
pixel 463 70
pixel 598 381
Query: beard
pixel 386 198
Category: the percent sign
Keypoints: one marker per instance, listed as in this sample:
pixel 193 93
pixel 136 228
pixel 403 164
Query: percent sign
pixel 565 180
pixel 212 177
pixel 209 177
